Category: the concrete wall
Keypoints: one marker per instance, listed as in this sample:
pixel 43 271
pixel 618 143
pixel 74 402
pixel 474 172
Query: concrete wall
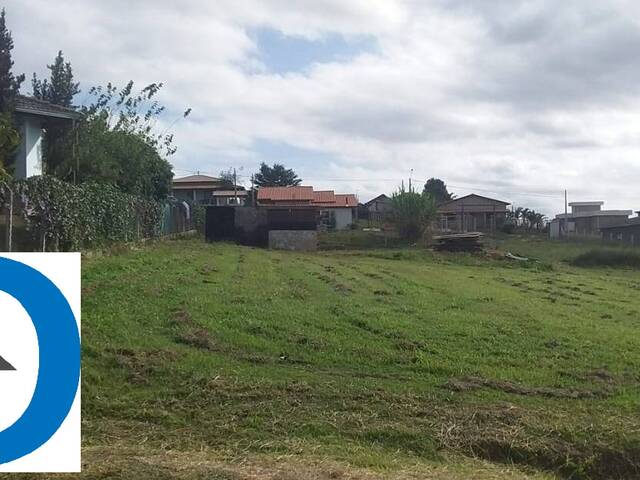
pixel 29 155
pixel 295 240
pixel 344 218
pixel 625 235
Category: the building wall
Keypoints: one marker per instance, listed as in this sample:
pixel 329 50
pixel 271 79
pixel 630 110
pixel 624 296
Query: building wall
pixel 28 161
pixel 295 240
pixel 585 208
pixel 627 235
pixel 590 226
pixel 472 204
pixel 199 196
pixel 478 221
pixel 344 218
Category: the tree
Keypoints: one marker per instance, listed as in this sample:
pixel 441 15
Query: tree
pixel 9 141
pixel 117 143
pixel 276 176
pixel 227 177
pixel 9 84
pixel 438 191
pixel 61 88
pixel 412 213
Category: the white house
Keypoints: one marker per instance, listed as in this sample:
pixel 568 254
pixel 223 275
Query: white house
pixel 32 117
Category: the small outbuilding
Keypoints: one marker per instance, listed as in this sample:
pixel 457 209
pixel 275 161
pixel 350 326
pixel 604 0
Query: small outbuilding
pixel 33 117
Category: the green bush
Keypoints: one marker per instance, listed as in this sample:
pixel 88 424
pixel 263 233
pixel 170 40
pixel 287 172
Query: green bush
pixel 412 212
pixel 62 216
pixel 608 258
pixel 199 217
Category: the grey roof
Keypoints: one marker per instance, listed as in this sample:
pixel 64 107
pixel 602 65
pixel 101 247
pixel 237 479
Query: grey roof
pixel 42 108
pixel 379 197
pixel 473 195
pixel 196 179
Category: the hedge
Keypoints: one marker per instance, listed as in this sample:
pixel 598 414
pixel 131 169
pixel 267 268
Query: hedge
pixel 62 216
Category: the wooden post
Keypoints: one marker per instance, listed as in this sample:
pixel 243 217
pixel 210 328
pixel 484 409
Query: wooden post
pixel 10 222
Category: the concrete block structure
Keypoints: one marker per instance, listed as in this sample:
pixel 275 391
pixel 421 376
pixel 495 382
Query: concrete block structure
pixel 293 240
pixel 586 219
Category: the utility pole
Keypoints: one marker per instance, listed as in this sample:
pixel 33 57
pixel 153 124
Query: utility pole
pixel 235 186
pixel 253 191
pixel 566 204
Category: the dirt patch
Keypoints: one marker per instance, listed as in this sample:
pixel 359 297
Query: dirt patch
pixel 181 318
pixel 333 283
pixel 502 434
pixel 141 364
pixel 190 333
pixel 198 338
pixel 475 383
pixel 381 293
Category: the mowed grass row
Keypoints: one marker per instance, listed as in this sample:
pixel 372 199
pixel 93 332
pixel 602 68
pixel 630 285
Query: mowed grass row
pixel 378 358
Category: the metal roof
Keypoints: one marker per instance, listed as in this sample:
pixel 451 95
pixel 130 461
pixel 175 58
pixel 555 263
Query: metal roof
pixel 586 204
pixel 197 179
pixel 596 213
pixel 230 193
pixel 473 195
pixel 34 106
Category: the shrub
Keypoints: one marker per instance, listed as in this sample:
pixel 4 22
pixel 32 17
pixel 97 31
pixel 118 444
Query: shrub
pixel 80 216
pixel 412 212
pixel 608 258
pixel 199 217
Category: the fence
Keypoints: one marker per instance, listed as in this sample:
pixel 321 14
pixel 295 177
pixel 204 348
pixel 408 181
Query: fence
pixel 46 214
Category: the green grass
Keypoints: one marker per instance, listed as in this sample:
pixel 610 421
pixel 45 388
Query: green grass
pixel 376 361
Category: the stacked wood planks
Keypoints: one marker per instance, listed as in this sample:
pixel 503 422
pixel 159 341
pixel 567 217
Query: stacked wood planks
pixel 459 242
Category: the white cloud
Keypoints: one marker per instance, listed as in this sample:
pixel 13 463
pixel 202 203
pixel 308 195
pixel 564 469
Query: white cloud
pixel 507 96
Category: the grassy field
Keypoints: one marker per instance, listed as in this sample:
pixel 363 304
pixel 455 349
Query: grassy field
pixel 224 362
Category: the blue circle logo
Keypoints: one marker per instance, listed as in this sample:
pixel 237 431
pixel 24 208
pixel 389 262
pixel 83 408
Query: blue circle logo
pixel 59 359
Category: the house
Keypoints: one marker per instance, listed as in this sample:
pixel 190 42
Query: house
pixel 378 209
pixel 472 213
pixel 627 233
pixel 206 190
pixel 586 220
pixel 33 117
pixel 341 207
pixel 286 196
pixel 230 197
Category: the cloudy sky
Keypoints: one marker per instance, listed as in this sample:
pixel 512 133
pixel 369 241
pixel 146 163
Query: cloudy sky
pixel 508 98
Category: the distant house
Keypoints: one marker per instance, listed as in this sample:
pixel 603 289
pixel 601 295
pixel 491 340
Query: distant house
pixel 341 207
pixel 378 209
pixel 586 220
pixel 206 190
pixel 33 117
pixel 285 196
pixel 627 233
pixel 472 213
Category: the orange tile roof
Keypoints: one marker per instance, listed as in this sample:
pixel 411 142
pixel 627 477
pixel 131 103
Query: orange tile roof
pixel 326 196
pixel 285 194
pixel 346 200
pixel 341 201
